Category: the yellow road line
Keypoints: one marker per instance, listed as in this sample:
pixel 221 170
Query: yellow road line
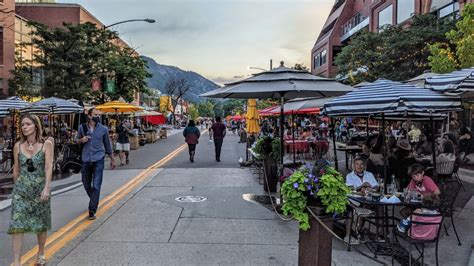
pixel 70 231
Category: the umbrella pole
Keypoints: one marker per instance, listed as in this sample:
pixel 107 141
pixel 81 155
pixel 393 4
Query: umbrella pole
pixel 282 117
pixel 367 127
pixel 293 132
pixel 435 174
pixel 336 164
pixel 384 153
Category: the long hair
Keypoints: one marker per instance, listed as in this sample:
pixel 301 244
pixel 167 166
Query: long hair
pixel 39 128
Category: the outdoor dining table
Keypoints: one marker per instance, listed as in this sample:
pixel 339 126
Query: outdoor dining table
pixel 350 151
pixel 300 146
pixel 387 247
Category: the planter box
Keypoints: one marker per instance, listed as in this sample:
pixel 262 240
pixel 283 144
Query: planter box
pixel 163 134
pixel 150 137
pixel 271 170
pixel 133 143
pixel 315 245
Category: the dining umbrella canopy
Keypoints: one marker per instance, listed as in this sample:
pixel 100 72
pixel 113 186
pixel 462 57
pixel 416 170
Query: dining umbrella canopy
pixel 60 106
pixel 252 117
pixel 302 106
pixel 460 82
pixel 10 104
pixel 281 83
pixel 391 98
pixel 118 107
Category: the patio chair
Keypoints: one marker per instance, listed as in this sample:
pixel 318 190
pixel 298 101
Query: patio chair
pixel 455 176
pixel 449 192
pixel 445 170
pixel 421 222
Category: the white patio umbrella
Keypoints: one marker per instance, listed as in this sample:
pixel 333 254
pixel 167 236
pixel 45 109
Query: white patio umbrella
pixel 459 82
pixel 281 83
pixel 60 106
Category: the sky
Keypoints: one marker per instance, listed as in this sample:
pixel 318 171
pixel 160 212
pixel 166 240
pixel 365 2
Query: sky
pixel 219 39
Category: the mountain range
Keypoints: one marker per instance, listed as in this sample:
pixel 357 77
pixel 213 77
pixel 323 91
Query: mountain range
pixel 162 73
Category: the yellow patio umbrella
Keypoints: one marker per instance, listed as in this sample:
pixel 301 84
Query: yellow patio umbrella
pixel 118 107
pixel 252 117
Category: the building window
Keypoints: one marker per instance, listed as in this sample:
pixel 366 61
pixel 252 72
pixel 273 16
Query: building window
pixel 320 59
pixel 323 57
pixel 449 10
pixel 405 9
pixel 385 17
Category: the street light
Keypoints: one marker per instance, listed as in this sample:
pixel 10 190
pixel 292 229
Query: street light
pixel 149 20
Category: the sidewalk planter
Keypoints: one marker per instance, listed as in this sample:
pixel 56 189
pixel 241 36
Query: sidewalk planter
pixel 133 143
pixel 271 169
pixel 150 138
pixel 323 189
pixel 163 133
pixel 268 149
pixel 315 244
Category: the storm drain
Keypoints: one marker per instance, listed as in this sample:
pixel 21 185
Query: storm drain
pixel 190 199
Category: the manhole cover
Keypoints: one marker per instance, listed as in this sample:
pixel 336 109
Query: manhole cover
pixel 190 199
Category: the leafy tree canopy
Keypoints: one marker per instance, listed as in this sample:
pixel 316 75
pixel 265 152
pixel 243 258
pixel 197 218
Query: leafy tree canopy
pixel 396 53
pixel 458 50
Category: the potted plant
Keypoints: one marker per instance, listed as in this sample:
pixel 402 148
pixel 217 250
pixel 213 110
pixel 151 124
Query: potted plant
pixel 321 188
pixel 268 149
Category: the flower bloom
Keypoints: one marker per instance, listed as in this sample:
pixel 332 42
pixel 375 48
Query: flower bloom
pixel 296 185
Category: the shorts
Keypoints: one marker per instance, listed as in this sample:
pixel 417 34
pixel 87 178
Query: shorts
pixel 122 146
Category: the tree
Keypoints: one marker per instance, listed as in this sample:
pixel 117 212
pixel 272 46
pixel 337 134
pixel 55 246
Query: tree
pixel 206 109
pixel 300 67
pixel 193 112
pixel 233 106
pixel 396 53
pixel 458 50
pixel 73 56
pixel 176 88
pixel 21 83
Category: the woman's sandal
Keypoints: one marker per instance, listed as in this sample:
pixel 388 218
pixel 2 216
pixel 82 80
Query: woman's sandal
pixel 40 260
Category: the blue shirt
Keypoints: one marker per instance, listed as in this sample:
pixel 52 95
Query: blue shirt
pixel 98 145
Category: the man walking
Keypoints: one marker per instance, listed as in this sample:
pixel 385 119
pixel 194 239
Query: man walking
pixel 123 143
pixel 218 132
pixel 95 139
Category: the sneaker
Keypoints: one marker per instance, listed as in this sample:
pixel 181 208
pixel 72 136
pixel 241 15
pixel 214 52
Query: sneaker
pixel 403 225
pixel 91 216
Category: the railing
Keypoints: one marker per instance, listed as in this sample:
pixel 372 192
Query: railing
pixel 354 24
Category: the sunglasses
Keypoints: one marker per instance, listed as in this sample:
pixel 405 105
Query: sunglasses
pixel 31 167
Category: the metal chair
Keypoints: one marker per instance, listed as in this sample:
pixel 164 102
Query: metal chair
pixel 449 192
pixel 455 176
pixel 423 222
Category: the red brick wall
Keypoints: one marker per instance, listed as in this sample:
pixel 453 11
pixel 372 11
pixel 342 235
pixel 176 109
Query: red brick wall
pixel 7 22
pixel 53 17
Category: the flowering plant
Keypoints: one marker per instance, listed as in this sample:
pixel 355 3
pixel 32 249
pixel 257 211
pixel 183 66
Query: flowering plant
pixel 318 184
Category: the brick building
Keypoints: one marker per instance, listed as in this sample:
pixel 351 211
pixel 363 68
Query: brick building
pixel 13 30
pixel 347 17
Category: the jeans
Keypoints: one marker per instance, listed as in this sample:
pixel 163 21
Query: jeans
pixel 92 180
pixel 218 146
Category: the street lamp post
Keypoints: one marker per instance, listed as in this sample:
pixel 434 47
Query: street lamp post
pixel 148 20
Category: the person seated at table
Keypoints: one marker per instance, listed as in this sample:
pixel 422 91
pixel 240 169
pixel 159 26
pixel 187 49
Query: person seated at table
pixel 402 133
pixel 445 159
pixel 376 160
pixel 466 146
pixel 430 204
pixel 359 178
pixel 305 134
pixel 414 135
pixel 421 183
pixel 398 165
pixel 288 135
pixel 424 147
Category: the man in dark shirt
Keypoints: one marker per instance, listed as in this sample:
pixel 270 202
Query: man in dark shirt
pixel 123 143
pixel 218 132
